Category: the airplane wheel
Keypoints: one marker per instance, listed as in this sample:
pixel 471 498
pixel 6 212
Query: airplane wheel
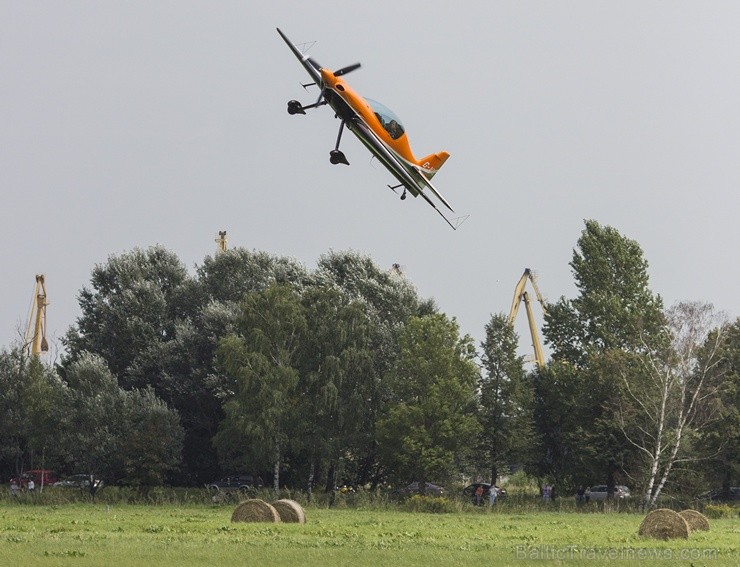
pixel 336 157
pixel 295 107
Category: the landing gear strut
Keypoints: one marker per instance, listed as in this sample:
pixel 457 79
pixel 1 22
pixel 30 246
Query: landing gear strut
pixel 295 107
pixel 336 156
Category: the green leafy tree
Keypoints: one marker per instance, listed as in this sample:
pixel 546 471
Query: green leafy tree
pixel 12 412
pixel 615 311
pixel 231 275
pixel 391 296
pixel 128 313
pixel 116 434
pixel 262 361
pixel 721 439
pixel 505 417
pixel 193 382
pixel 96 420
pixel 577 441
pixel 155 326
pixel 151 447
pixel 390 300
pixel 44 399
pixel 32 411
pixel 430 423
pixel 337 379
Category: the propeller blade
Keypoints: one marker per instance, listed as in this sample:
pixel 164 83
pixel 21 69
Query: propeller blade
pixel 347 69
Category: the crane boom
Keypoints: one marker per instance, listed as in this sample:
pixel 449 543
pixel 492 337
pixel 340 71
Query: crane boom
pixel 521 295
pixel 221 242
pixel 36 330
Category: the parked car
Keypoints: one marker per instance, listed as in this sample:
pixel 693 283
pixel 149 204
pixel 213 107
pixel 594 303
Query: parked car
pixel 719 495
pixel 242 482
pixel 413 488
pixel 469 491
pixel 599 492
pixel 81 481
pixel 37 476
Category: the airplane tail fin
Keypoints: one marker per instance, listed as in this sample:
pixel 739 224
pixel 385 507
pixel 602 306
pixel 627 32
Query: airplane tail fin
pixel 430 164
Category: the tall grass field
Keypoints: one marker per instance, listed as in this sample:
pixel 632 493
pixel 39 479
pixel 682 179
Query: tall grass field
pixel 101 534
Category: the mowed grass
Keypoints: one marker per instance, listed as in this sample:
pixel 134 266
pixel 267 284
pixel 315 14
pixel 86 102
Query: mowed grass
pixel 100 535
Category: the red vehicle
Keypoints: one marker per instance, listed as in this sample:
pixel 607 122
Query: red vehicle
pixel 37 475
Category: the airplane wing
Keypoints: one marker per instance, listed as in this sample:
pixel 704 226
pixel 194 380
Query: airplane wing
pixel 424 181
pixel 378 149
pixel 394 165
pixel 304 59
pixel 414 172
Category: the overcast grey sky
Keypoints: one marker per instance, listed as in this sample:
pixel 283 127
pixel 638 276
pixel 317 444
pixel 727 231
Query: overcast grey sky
pixel 129 124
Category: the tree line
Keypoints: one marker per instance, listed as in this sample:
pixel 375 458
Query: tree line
pixel 344 374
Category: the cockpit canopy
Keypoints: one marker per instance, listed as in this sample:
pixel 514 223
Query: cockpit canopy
pixel 388 119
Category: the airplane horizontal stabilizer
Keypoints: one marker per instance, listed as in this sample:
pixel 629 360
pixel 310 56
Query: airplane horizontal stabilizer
pixel 430 164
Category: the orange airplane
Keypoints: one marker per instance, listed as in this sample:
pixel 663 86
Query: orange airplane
pixel 377 127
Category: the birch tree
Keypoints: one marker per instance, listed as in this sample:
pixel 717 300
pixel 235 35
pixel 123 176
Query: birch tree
pixel 667 393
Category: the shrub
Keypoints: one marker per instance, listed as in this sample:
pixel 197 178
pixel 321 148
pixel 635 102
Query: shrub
pixel 720 511
pixel 429 504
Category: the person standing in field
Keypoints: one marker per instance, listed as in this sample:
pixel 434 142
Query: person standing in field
pixel 492 493
pixel 581 494
pixel 478 495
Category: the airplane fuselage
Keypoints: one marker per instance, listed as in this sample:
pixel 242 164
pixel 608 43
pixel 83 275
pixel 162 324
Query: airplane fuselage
pixel 362 120
pixel 376 126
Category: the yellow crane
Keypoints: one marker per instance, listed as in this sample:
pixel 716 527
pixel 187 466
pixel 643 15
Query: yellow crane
pixel 521 295
pixel 221 242
pixel 36 329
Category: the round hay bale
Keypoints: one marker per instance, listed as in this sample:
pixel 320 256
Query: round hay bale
pixel 697 521
pixel 664 524
pixel 290 511
pixel 255 510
